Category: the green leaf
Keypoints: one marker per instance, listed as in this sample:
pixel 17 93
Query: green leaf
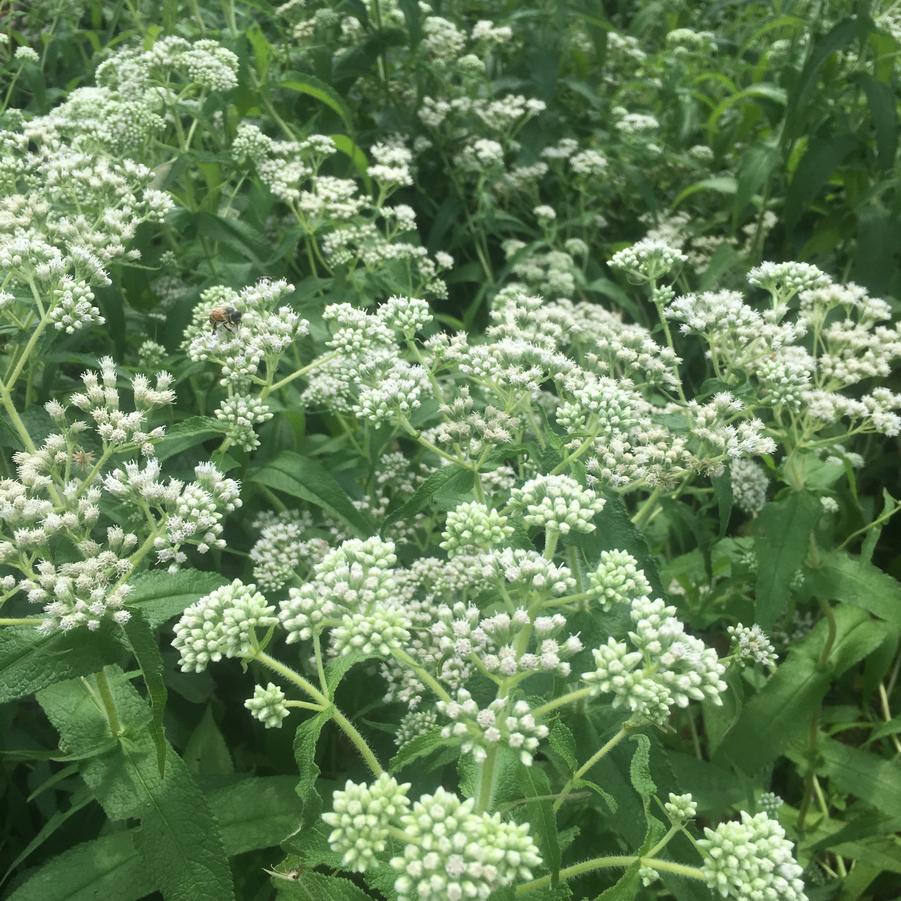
pixel 782 709
pixel 159 596
pixel 186 434
pixel 563 743
pixel 305 739
pixel 756 165
pixel 722 491
pixel 804 88
pixel 310 886
pixel 640 769
pixel 309 480
pixel 254 813
pixel 781 535
pixel 109 868
pixel 419 747
pixel 854 581
pixel 626 887
pixel 143 645
pixel 536 788
pixel 206 752
pixel 319 90
pixel 257 812
pixel 862 774
pixel 179 838
pixel 31 660
pixel 722 184
pixel 354 153
pixel 454 478
pixel 884 110
pixel 817 164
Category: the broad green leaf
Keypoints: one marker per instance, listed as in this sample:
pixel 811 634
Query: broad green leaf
pixel 319 90
pixel 781 535
pixel 355 154
pixel 311 886
pixel 108 867
pixel 141 640
pixel 873 779
pixel 851 580
pixel 756 165
pixel 563 743
pixel 31 660
pixel 536 788
pixel 206 752
pixel 253 813
pixel 626 888
pixel 186 434
pixel 305 740
pixel 309 480
pixel 257 812
pixel 783 708
pixel 447 477
pixel 179 839
pixel 722 184
pixel 821 159
pixel 159 596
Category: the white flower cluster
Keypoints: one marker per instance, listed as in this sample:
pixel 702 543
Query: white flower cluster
pixel 680 808
pixel 369 378
pixel 749 485
pixel 649 259
pixel 617 579
pixel 662 666
pixel 283 547
pixel 557 503
pixel 221 624
pixel 83 592
pixel 354 592
pixel 473 526
pixel 503 722
pixel 268 705
pixel 101 402
pixel 239 413
pixel 260 337
pixel 750 644
pixel 193 511
pixel 751 859
pixel 449 852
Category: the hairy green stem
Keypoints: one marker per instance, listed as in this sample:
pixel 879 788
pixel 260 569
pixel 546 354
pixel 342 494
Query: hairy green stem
pixel 598 755
pixel 615 862
pixel 109 703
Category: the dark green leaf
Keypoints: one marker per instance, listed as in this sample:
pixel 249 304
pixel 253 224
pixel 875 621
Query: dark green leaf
pixel 143 645
pixel 781 535
pixel 309 480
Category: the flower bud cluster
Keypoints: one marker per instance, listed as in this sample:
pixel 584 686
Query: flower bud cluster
pixel 648 260
pixel 221 624
pixel 750 644
pixel 283 547
pixel 680 808
pixel 268 705
pixel 449 852
pixel 353 591
pixel 84 592
pixel 239 414
pixel 751 859
pixel 661 666
pixel 617 580
pixel 557 503
pixel 503 722
pixel 473 526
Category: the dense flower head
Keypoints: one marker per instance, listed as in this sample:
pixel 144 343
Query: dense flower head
pixel 752 645
pixel 353 586
pixel 453 853
pixel 557 503
pixel 473 525
pixel 221 624
pixel 617 579
pixel 751 859
pixel 680 808
pixel 647 260
pixel 660 667
pixel 361 818
pixel 268 705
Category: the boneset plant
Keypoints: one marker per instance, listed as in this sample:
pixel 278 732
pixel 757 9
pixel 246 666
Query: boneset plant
pixel 446 451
